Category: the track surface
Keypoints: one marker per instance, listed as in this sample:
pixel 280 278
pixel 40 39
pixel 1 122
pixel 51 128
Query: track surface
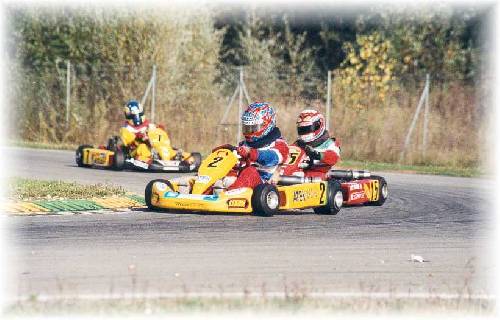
pixel 362 249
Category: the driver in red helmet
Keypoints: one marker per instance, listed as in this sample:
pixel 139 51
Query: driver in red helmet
pixel 314 139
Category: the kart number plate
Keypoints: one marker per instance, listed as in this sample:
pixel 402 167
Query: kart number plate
pixel 371 190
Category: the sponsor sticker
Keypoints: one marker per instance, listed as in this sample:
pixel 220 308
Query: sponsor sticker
pixel 202 179
pixel 304 195
pixel 357 195
pixel 355 186
pixel 235 191
pixel 237 203
pixel 99 158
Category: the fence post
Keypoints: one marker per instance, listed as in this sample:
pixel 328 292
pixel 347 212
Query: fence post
pixel 426 115
pixel 240 105
pixel 328 100
pixel 153 95
pixel 68 91
pixel 414 121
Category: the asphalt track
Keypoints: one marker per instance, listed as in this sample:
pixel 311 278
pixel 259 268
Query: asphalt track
pixel 446 220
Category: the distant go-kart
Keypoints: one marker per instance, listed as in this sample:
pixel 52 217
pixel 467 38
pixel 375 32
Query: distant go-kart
pixel 117 157
pixel 358 187
pixel 198 193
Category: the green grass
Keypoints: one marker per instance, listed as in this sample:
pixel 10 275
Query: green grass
pixel 291 306
pixel 42 145
pixel 31 189
pixel 422 169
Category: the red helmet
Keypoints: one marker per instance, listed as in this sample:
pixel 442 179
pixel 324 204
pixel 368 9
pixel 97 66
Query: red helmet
pixel 310 125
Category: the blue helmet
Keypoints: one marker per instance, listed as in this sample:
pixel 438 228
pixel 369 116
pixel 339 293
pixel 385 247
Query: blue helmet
pixel 134 113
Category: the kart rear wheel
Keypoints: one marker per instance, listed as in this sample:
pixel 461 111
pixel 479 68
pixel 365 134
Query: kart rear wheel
pixel 148 193
pixel 79 155
pixel 334 199
pixel 265 200
pixel 383 191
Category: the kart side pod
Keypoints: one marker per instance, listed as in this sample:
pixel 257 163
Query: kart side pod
pixel 325 197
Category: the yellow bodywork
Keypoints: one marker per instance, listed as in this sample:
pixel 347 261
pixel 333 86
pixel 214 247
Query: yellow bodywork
pixel 97 157
pixel 158 139
pixel 215 167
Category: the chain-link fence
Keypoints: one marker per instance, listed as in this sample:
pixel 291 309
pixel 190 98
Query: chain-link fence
pixel 371 124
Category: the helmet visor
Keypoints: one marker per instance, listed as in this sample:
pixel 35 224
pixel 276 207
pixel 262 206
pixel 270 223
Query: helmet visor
pixel 302 130
pixel 136 118
pixel 250 128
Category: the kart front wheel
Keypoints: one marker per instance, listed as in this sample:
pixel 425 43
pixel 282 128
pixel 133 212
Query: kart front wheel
pixel 265 200
pixel 79 155
pixel 383 191
pixel 148 193
pixel 334 199
pixel 118 160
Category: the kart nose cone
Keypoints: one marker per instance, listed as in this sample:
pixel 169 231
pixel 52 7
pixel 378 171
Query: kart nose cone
pixel 272 200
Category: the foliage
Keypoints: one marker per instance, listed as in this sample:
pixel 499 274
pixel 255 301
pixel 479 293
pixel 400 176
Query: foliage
pixel 367 70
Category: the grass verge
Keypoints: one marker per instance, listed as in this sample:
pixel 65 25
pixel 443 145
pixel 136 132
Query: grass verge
pixel 422 169
pixel 31 189
pixel 296 306
pixel 42 145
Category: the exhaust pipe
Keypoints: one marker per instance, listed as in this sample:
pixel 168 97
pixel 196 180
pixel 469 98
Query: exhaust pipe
pixel 348 174
pixel 289 180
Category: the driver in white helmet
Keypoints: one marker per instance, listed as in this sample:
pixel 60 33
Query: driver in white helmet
pixel 314 139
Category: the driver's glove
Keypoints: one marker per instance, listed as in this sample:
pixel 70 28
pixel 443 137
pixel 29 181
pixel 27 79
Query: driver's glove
pixel 313 154
pixel 246 152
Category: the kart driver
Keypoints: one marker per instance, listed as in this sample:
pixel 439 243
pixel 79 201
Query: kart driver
pixel 314 139
pixel 139 135
pixel 263 147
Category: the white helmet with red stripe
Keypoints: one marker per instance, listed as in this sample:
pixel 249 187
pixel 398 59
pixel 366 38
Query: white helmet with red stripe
pixel 310 125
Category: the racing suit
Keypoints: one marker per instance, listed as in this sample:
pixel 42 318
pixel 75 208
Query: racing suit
pixel 324 153
pixel 140 139
pixel 265 156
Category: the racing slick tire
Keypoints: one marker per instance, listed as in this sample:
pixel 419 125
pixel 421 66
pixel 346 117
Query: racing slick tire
pixel 334 199
pixel 265 200
pixel 383 191
pixel 79 155
pixel 148 192
pixel 118 160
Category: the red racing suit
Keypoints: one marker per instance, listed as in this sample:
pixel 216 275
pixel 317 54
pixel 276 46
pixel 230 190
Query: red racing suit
pixel 324 153
pixel 264 158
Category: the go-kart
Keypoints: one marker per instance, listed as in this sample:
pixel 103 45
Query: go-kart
pixel 358 187
pixel 201 193
pixel 117 157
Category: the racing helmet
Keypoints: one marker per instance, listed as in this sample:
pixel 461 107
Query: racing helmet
pixel 258 120
pixel 310 125
pixel 134 113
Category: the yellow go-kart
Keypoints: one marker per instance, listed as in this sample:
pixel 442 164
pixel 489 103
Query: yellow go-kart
pixel 118 157
pixel 202 193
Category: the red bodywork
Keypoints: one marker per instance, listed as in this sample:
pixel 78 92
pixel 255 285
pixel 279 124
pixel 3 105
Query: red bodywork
pixel 356 192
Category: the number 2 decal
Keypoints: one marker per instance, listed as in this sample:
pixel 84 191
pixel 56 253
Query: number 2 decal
pixel 322 195
pixel 216 160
